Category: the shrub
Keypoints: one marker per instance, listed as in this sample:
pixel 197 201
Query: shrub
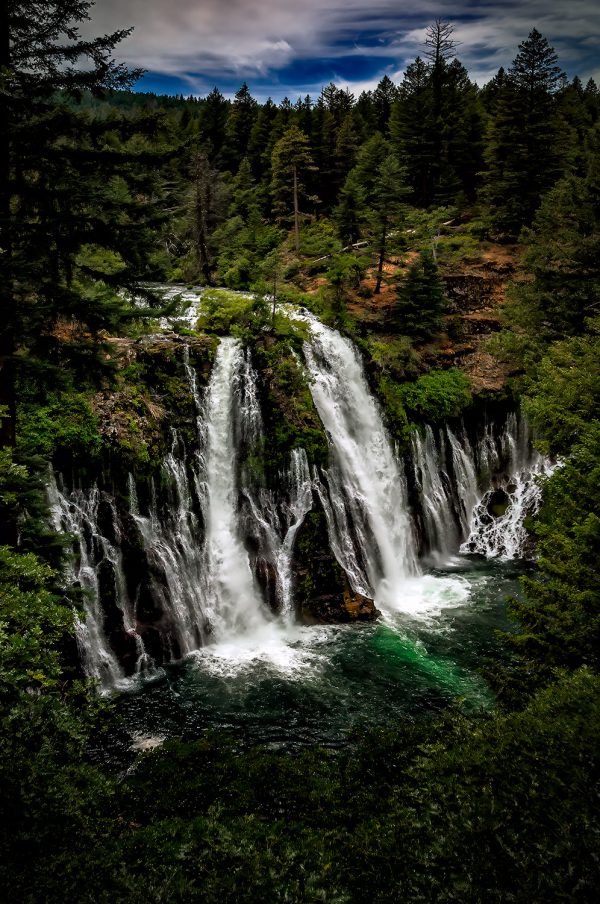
pixel 437 395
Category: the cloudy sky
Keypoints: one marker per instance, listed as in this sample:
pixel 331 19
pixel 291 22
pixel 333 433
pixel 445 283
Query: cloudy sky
pixel 294 47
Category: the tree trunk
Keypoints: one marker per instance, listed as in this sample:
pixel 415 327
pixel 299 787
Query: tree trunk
pixel 7 302
pixel 274 301
pixel 202 205
pixel 296 212
pixel 380 264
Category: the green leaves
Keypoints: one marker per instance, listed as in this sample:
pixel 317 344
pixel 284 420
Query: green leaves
pixel 437 395
pixel 421 299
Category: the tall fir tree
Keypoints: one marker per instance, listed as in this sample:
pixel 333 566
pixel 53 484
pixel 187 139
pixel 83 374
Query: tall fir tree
pixel 76 191
pixel 524 153
pixel 420 299
pixel 373 200
pixel 291 165
pixel 213 121
pixel 241 119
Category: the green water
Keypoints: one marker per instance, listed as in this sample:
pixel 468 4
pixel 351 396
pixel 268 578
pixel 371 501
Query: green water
pixel 318 684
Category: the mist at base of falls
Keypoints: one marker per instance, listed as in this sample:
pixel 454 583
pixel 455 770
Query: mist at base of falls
pixel 318 684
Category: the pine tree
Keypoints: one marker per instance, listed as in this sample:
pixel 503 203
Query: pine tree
pixel 436 125
pixel 75 190
pixel 303 108
pixel 386 209
pixel 373 198
pixel 291 164
pixel 383 99
pixel 213 120
pixel 262 139
pixel 348 214
pixel 562 252
pixel 420 300
pixel 346 149
pixel 242 116
pixel 207 210
pixel 524 155
pixel 411 129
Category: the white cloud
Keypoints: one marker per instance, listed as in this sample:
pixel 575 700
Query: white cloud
pixel 208 40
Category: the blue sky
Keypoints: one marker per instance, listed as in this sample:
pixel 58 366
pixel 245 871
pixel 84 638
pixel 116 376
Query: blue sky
pixel 294 47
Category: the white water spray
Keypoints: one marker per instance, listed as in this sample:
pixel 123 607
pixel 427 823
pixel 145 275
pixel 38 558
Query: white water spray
pixel 365 496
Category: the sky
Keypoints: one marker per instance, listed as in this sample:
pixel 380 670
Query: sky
pixel 295 47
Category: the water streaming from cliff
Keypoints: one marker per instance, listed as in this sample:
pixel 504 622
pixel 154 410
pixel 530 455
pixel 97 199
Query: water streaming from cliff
pixel 276 523
pixel 198 561
pixel 365 499
pixel 474 496
pixel 96 562
pixel 230 598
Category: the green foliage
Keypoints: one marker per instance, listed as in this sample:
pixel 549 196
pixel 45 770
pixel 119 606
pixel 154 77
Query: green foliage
pixel 561 253
pixel 63 423
pixel 437 395
pixel 33 625
pixel 525 153
pixel 291 420
pixel 504 807
pixel 563 392
pixel 291 163
pixel 395 356
pixel 560 616
pixel 319 239
pixel 55 804
pixel 436 126
pixel 496 809
pixel 230 313
pixel 421 299
pixel 372 202
pixel 392 397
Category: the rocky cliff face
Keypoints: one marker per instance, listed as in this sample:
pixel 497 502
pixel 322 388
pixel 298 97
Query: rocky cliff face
pixel 476 292
pixel 322 593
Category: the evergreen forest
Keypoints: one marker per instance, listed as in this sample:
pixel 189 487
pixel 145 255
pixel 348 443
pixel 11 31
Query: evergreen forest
pixel 432 245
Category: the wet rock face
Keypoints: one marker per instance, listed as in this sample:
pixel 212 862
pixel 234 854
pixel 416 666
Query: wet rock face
pixel 338 608
pixel 498 503
pixel 322 594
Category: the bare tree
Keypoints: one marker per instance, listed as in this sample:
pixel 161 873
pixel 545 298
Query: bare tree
pixel 439 43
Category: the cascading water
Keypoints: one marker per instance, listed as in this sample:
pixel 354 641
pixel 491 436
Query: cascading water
pixel 276 525
pixel 197 584
pixel 474 498
pixel 365 496
pixel 96 560
pixel 212 544
pixel 433 483
pixel 497 524
pixel 231 599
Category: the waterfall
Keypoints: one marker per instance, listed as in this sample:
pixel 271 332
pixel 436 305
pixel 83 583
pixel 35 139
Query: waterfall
pixel 474 497
pixel 94 556
pixel 363 490
pixel 434 486
pixel 445 478
pixel 193 583
pixel 202 553
pixel 276 524
pixel 231 599
pixel 170 541
pixel 497 524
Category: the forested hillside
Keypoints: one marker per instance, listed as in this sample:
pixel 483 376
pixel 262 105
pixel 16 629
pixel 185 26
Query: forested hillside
pixel 439 236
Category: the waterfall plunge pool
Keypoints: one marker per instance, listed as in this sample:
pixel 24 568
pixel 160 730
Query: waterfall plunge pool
pixel 295 685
